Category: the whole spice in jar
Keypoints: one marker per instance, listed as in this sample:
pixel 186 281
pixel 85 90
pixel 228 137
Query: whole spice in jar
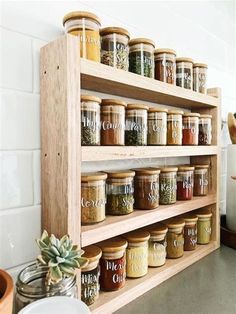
pixel 157 126
pixel 93 197
pixel 174 127
pixel 141 56
pixel 113 264
pixel 157 246
pixel 190 128
pixel 201 180
pixel 200 77
pixel 175 238
pixel 168 185
pixel 185 183
pixel 90 275
pixel 204 226
pixel 146 188
pixel 120 192
pixel 184 72
pixel 165 65
pixel 205 129
pixel 190 232
pixel 114 47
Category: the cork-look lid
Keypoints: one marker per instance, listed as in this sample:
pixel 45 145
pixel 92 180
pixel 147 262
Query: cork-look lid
pixel 107 102
pixel 204 213
pixel 169 169
pixel 183 59
pixel 113 245
pixel 158 229
pixel 191 114
pixel 164 50
pixel 200 65
pixel 206 116
pixel 92 253
pixel 175 223
pixel 137 236
pixel 190 218
pixel 90 98
pixel 186 168
pixel 93 176
pixel 137 106
pixel 148 170
pixel 154 109
pixel 175 112
pixel 112 30
pixel 80 15
pixel 120 174
pixel 146 41
pixel 201 166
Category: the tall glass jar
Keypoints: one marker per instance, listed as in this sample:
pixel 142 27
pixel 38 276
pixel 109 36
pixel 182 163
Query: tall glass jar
pixel 136 125
pixel 90 275
pixel 90 120
pixel 190 232
pixel 86 26
pixel 30 286
pixel 114 47
pixel 137 253
pixel 120 192
pixel 175 238
pixel 157 246
pixel 205 129
pixel 113 264
pixel 174 127
pixel 157 126
pixel 93 197
pixel 204 227
pixel 146 188
pixel 201 180
pixel 165 65
pixel 141 56
pixel 168 185
pixel 190 128
pixel 185 183
pixel 113 122
pixel 184 72
pixel 200 77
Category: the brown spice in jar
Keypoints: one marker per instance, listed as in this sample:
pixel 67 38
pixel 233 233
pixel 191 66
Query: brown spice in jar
pixel 165 65
pixel 201 180
pixel 190 233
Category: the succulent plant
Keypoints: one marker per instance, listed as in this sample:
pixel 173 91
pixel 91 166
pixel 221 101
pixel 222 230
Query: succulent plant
pixel 61 256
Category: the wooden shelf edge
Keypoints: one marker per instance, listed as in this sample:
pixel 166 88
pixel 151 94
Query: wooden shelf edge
pixel 109 302
pixel 116 225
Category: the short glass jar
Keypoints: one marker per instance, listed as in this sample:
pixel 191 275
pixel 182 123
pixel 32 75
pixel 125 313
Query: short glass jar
pixel 86 26
pixel 114 47
pixel 112 122
pixel 120 192
pixel 157 126
pixel 141 56
pixel 174 127
pixel 190 128
pixel 113 264
pixel 137 253
pixel 190 232
pixel 200 77
pixel 93 197
pixel 204 227
pixel 184 72
pixel 136 125
pixel 30 286
pixel 157 246
pixel 185 183
pixel 90 275
pixel 205 129
pixel 201 180
pixel 146 188
pixel 90 120
pixel 168 185
pixel 175 238
pixel 165 66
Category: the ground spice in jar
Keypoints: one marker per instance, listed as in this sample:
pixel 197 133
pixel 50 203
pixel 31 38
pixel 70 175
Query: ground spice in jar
pixel 157 246
pixel 168 185
pixel 184 72
pixel 174 127
pixel 200 77
pixel 205 129
pixel 165 65
pixel 201 180
pixel 190 232
pixel 204 226
pixel 93 197
pixel 190 128
pixel 185 183
pixel 175 238
pixel 157 126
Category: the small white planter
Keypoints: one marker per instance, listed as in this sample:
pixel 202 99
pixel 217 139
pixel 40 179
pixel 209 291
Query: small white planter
pixel 231 188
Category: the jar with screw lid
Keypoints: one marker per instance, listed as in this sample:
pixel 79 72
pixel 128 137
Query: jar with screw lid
pixel 205 129
pixel 190 128
pixel 184 72
pixel 141 56
pixel 204 226
pixel 165 65
pixel 86 26
pixel 190 232
pixel 157 126
pixel 185 183
pixel 201 180
pixel 168 185
pixel 174 127
pixel 175 238
pixel 200 77
pixel 157 246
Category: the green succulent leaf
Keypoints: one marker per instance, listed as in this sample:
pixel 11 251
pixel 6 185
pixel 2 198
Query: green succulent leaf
pixel 82 261
pixel 67 270
pixel 55 274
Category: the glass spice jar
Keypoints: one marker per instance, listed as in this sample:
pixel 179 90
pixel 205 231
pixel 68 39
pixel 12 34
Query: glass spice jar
pixel 204 227
pixel 137 253
pixel 114 47
pixel 168 185
pixel 190 232
pixel 185 183
pixel 90 120
pixel 200 180
pixel 120 192
pixel 113 264
pixel 165 65
pixel 174 127
pixel 200 77
pixel 93 197
pixel 90 275
pixel 86 26
pixel 112 122
pixel 146 188
pixel 175 238
pixel 205 136
pixel 157 246
pixel 184 72
pixel 157 126
pixel 136 125
pixel 190 128
pixel 141 56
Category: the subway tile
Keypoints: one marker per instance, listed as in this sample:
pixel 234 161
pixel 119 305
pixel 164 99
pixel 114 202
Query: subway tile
pixel 37 44
pixel 37 177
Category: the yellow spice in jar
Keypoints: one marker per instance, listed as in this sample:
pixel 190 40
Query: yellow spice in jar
pixel 137 261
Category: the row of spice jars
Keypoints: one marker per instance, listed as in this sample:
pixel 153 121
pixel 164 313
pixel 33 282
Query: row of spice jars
pixel 111 261
pixel 119 192
pixel 113 122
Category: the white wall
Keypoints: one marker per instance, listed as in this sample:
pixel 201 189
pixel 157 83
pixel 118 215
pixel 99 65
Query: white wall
pixel 204 30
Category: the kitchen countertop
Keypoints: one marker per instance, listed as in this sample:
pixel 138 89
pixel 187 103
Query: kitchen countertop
pixel 206 287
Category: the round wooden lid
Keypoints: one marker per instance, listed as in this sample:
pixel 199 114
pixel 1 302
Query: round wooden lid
pixel 148 170
pixel 176 112
pixel 113 245
pixel 175 223
pixel 204 213
pixel 206 116
pixel 169 169
pixel 107 102
pixel 79 15
pixel 153 109
pixel 190 218
pixel 90 98
pixel 183 59
pixel 146 41
pixel 120 174
pixel 137 236
pixel 164 50
pixel 92 252
pixel 191 114
pixel 200 166
pixel 158 229
pixel 137 106
pixel 185 168
pixel 93 176
pixel 116 30
pixel 200 65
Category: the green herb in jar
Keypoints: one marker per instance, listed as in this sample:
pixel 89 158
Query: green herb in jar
pixel 89 133
pixel 168 186
pixel 119 204
pixel 141 63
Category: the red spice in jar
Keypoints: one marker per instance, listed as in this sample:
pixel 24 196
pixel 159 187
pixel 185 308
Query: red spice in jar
pixel 185 183
pixel 190 128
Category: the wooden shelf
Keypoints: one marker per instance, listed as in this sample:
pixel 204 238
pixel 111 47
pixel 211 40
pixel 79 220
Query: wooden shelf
pixel 115 225
pixel 109 302
pixel 99 153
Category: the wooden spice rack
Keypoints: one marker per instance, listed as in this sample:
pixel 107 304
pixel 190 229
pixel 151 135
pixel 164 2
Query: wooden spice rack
pixel 63 74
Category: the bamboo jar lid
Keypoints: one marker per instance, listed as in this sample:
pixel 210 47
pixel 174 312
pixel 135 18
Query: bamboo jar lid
pixel 190 219
pixel 175 223
pixel 90 98
pixel 146 171
pixel 169 169
pixel 175 112
pixel 157 230
pixel 113 245
pixel 200 65
pixel 145 41
pixel 191 114
pixel 119 174
pixel 137 106
pixel 93 176
pixel 112 30
pixel 204 213
pixel 153 109
pixel 201 166
pixel 164 50
pixel 137 236
pixel 183 59
pixel 206 116
pixel 186 168
pixel 107 102
pixel 80 15
pixel 92 253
